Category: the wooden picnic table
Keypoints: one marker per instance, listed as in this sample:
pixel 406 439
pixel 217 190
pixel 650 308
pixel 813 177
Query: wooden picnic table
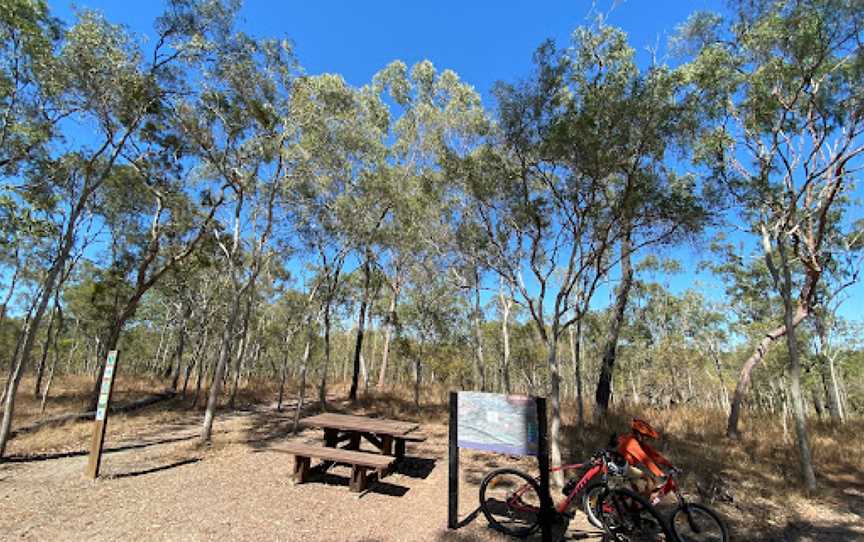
pixel 389 436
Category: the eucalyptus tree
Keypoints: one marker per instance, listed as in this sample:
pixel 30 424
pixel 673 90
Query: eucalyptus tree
pixel 241 130
pixel 784 82
pixel 431 315
pixel 577 168
pixel 109 86
pixel 341 179
pixel 434 114
pixel 30 83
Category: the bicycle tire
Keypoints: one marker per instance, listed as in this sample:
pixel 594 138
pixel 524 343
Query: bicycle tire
pixel 590 498
pixel 686 527
pixel 629 517
pixel 498 511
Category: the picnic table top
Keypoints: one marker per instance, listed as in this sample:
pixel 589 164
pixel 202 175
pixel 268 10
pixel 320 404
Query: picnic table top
pixel 346 422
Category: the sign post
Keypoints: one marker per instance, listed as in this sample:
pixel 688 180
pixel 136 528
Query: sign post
pixel 101 416
pixel 453 464
pixel 508 424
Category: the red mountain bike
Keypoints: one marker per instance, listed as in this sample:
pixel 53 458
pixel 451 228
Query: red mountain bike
pixel 690 522
pixel 510 500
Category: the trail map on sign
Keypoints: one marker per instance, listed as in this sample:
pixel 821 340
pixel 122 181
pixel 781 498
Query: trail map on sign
pixel 497 423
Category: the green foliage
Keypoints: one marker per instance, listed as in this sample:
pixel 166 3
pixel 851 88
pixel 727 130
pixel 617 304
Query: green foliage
pixel 214 159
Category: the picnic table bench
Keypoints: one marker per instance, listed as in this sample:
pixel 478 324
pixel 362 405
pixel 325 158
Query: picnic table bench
pixel 360 462
pixel 388 436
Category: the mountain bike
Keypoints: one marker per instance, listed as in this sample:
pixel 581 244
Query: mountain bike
pixel 627 516
pixel 690 522
pixel 510 499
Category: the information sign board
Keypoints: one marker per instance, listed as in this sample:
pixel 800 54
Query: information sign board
pixel 493 422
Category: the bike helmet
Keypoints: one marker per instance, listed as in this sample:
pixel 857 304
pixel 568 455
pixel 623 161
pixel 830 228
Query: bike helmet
pixel 643 428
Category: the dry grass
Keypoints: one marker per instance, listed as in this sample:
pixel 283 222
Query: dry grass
pixel 70 395
pixel 760 472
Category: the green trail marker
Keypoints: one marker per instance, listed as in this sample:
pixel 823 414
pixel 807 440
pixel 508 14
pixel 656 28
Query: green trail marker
pixel 101 416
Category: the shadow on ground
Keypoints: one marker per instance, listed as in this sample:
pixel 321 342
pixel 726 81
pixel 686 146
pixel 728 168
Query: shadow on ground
pixel 159 468
pixel 77 453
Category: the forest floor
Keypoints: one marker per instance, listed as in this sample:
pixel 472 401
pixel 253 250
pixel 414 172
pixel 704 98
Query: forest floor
pixel 158 483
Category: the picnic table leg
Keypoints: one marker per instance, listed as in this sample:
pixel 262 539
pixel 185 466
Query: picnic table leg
pixel 400 448
pixel 387 444
pixel 359 479
pixel 301 469
pixel 354 443
pixel 331 438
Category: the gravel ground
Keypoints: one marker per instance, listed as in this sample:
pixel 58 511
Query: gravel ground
pixel 163 487
pixel 157 484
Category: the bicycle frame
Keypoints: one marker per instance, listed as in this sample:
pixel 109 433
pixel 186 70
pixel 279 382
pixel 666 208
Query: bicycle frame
pixel 670 486
pixel 589 475
pixel 598 467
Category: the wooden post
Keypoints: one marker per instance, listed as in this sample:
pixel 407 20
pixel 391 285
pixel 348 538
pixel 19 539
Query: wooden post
pixel 387 444
pixel 102 416
pixel 301 469
pixel 359 480
pixel 453 465
pixel 546 506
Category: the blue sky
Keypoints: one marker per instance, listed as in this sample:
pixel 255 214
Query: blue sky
pixel 482 41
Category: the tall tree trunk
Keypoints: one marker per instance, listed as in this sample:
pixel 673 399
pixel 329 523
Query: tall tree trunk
pixel 817 403
pixel 755 359
pixel 830 387
pixel 389 326
pixel 417 379
pixel 718 367
pixel 805 456
pixel 177 357
pixel 480 369
pixel 325 366
pixel 576 358
pixel 55 357
pixel 369 366
pixel 361 324
pixel 604 383
pixel 244 344
pixel 826 369
pixel 155 362
pixel 29 337
pixel 197 361
pixel 282 376
pixel 555 402
pixel 301 392
pixel 111 341
pixel 634 390
pixel 238 368
pixel 505 335
pixel 40 368
pixel 224 354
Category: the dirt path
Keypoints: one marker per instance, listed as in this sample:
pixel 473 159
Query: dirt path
pixel 161 486
pixel 158 484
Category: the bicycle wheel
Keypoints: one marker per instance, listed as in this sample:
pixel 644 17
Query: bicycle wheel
pixel 590 498
pixel 628 517
pixel 510 500
pixel 698 523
